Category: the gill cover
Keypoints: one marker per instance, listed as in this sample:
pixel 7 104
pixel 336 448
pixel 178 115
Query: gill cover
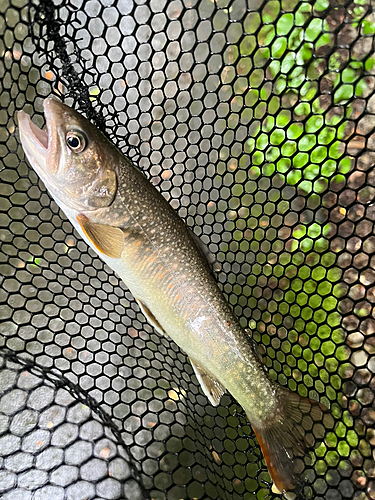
pixel 72 157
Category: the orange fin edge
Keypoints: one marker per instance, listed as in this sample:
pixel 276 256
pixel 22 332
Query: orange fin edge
pixel 288 438
pixel 106 239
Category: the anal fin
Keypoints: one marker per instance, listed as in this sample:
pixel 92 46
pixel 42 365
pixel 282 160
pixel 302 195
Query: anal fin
pixel 211 387
pixel 151 318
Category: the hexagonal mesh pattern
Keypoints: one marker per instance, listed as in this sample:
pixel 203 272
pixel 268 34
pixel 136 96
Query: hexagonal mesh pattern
pixel 53 446
pixel 255 120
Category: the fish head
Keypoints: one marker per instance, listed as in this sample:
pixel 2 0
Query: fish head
pixel 71 156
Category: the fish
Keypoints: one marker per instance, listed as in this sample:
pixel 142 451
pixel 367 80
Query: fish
pixel 121 215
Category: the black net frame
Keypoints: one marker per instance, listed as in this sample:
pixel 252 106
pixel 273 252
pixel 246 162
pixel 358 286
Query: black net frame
pixel 255 120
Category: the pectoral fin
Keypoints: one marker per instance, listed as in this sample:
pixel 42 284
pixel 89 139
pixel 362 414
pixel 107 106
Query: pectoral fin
pixel 107 239
pixel 151 318
pixel 210 386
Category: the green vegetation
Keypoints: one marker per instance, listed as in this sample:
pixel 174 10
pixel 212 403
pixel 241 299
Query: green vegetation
pixel 301 107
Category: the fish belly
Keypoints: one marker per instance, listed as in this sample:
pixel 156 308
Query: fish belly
pixel 193 312
pixel 186 302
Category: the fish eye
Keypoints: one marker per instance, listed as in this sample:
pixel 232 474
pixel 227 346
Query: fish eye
pixel 76 141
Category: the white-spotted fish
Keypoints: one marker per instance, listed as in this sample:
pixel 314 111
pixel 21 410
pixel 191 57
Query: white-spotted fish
pixel 124 218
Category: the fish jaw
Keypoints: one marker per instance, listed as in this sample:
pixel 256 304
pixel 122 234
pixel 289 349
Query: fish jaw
pixel 41 146
pixel 84 180
pixel 34 142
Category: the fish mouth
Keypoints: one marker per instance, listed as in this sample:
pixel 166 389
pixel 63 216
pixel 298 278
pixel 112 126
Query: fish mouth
pixel 41 136
pixel 39 145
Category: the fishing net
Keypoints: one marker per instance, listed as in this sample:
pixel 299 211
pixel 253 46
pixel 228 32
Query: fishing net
pixel 255 119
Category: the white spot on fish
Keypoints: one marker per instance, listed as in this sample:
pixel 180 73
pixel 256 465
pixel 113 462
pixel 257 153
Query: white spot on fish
pixel 198 323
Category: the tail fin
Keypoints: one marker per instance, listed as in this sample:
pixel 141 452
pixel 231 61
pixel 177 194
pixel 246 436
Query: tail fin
pixel 288 435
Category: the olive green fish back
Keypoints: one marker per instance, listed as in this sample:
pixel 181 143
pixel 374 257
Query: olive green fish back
pixel 256 122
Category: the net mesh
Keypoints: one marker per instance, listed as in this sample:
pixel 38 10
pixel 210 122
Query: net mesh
pixel 255 119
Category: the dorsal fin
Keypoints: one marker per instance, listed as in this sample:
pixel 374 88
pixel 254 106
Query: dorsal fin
pixel 212 262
